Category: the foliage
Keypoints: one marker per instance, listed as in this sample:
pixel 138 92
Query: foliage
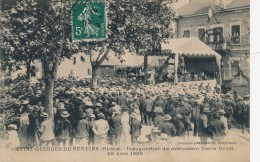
pixel 36 29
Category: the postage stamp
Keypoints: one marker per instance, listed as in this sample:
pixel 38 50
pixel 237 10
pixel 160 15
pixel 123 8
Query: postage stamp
pixel 88 20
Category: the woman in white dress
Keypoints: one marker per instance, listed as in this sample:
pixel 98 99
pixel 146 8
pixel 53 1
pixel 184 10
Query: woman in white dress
pixel 125 139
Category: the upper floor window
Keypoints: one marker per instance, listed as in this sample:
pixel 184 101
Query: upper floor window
pixel 161 62
pixel 202 35
pixel 216 35
pixel 186 33
pixel 89 71
pixel 235 34
pixel 219 33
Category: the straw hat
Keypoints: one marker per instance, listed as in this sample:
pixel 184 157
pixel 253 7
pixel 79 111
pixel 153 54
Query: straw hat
pixel 155 130
pixel 82 115
pixel 65 114
pixel 222 112
pixel 101 115
pixel 167 117
pixel 239 98
pixel 179 116
pixel 44 115
pixel 142 139
pixel 88 103
pixel 25 102
pixel 206 109
pixel 158 110
pixel 116 109
pixel 92 116
pixel 98 104
pixel 12 126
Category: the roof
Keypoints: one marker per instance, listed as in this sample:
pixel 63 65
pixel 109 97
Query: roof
pixel 190 47
pixel 113 62
pixel 202 6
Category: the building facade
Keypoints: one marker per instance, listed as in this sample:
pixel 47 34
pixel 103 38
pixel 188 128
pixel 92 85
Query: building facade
pixel 225 26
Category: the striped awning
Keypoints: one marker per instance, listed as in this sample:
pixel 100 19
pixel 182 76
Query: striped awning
pixel 189 47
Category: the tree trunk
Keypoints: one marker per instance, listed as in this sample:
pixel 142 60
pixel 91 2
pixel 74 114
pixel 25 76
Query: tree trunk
pixel 28 70
pixel 94 76
pixel 145 68
pixel 50 74
pixel 49 88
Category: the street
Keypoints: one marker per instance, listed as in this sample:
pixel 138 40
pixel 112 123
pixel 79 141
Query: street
pixel 233 135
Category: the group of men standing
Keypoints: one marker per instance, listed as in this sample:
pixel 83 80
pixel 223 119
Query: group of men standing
pixel 115 116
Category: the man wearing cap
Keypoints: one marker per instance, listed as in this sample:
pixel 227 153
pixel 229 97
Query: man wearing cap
pixel 203 124
pixel 223 119
pixel 179 125
pixel 241 113
pixel 32 128
pixel 121 99
pixel 195 116
pixel 63 129
pixel 148 110
pixel 216 128
pixel 186 113
pixel 24 122
pixel 90 130
pixel 158 116
pixel 82 132
pixel 46 130
pixel 135 121
pixel 100 129
pixel 115 127
pixel 142 105
pixel 167 127
pixel 159 102
pixel 229 106
pixel 218 104
pixel 12 140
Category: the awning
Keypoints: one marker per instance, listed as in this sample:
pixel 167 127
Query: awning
pixel 190 47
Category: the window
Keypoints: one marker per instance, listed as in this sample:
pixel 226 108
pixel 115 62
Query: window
pixel 74 60
pixel 161 62
pixel 235 34
pixel 216 35
pixel 219 33
pixel 89 71
pixel 202 35
pixel 186 33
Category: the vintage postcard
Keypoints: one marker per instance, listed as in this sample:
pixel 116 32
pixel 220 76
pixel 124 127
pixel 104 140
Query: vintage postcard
pixel 125 80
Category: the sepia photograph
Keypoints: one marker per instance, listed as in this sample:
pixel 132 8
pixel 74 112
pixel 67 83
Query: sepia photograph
pixel 125 80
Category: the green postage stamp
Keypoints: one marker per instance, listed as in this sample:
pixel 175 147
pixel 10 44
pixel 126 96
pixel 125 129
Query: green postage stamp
pixel 89 20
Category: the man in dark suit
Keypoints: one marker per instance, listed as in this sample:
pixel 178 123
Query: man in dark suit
pixel 202 123
pixel 167 127
pixel 135 126
pixel 121 99
pixel 115 127
pixel 142 105
pixel 159 103
pixel 229 106
pixel 148 110
pixel 216 128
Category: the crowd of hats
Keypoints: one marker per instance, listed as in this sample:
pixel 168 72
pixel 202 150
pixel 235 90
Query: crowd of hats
pixel 79 93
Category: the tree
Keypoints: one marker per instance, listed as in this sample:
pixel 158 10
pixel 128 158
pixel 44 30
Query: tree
pixel 133 26
pixel 46 33
pixel 37 29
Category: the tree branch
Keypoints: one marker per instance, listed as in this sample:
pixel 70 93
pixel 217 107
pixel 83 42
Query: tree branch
pixel 100 53
pixel 103 57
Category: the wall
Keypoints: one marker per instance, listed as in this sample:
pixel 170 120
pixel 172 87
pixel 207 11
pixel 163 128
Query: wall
pixel 239 52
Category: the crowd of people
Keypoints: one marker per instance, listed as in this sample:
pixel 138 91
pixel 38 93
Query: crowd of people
pixel 115 112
